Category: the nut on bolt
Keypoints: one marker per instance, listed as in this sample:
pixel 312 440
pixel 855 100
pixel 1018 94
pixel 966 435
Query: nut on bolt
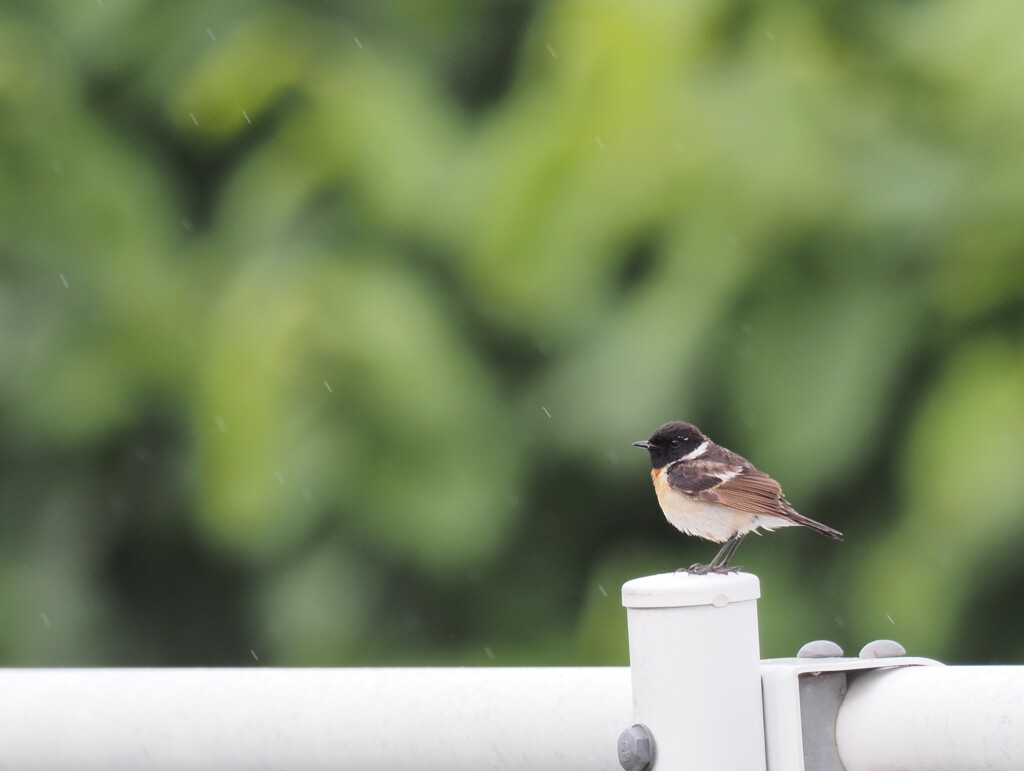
pixel 636 748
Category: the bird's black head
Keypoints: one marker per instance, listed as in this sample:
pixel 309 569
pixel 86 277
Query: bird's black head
pixel 671 442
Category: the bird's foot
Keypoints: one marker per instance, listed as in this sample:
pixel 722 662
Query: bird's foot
pixel 703 570
pixel 725 570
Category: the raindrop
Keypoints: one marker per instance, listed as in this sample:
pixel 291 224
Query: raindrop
pixel 357 42
pixel 600 588
pixel 890 619
pixel 328 387
pixel 552 52
pixel 280 476
pixel 546 411
pixel 186 225
pixel 257 658
pixel 64 281
pixel 489 652
pixel 222 425
pixel 210 33
pixel 246 116
pixel 192 115
pixel 46 619
pixel 599 142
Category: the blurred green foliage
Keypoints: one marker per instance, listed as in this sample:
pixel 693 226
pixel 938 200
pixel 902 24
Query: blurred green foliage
pixel 325 327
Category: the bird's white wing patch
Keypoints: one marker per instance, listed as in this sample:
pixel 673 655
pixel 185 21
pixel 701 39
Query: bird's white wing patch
pixel 700 450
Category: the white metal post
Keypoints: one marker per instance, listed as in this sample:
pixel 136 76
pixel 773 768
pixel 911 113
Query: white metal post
pixel 695 664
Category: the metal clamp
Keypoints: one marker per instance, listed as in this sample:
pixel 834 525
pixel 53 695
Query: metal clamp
pixel 802 697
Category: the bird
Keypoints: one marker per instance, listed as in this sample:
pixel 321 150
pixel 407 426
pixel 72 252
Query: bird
pixel 711 492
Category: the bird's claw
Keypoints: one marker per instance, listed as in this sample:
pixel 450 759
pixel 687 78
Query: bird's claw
pixel 703 570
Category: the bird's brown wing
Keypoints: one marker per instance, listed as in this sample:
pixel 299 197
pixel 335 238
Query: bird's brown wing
pixel 743 488
pixel 739 486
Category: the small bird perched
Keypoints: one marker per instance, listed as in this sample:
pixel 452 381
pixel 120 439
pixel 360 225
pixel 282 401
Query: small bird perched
pixel 710 492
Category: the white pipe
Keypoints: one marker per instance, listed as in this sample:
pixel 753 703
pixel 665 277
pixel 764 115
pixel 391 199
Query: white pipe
pixel 365 719
pixel 693 652
pixel 933 718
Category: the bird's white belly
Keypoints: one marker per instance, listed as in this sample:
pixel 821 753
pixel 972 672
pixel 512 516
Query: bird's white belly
pixel 712 521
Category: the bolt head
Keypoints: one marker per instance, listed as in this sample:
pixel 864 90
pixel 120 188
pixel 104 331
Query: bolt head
pixel 882 649
pixel 820 649
pixel 636 748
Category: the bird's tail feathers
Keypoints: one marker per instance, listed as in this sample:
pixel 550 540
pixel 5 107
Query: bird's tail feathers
pixel 817 527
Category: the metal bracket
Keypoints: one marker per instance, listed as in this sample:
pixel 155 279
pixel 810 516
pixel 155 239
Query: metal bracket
pixel 802 697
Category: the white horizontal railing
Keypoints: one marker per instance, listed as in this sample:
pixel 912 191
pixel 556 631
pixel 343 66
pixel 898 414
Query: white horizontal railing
pixel 366 719
pixel 696 688
pixel 933 717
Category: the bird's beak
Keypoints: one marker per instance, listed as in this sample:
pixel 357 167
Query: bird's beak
pixel 643 443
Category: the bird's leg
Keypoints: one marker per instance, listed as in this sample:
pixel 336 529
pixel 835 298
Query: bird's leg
pixel 720 564
pixel 721 559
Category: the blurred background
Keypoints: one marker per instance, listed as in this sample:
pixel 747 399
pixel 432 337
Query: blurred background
pixel 325 327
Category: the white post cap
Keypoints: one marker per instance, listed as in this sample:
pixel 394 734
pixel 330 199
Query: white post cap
pixel 683 590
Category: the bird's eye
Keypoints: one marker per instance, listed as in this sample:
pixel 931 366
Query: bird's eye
pixel 674 443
